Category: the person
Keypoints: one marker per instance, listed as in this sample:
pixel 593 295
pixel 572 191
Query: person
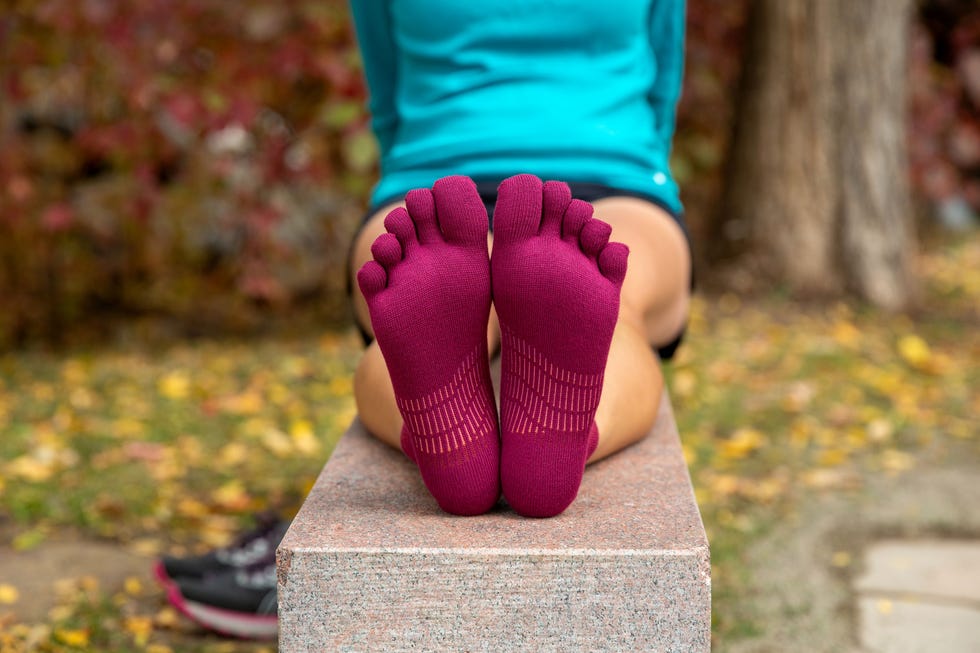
pixel 472 104
pixel 465 253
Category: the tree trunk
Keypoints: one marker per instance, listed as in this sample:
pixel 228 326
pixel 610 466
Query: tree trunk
pixel 817 193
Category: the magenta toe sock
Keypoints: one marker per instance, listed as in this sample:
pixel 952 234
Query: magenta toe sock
pixel 556 284
pixel 428 292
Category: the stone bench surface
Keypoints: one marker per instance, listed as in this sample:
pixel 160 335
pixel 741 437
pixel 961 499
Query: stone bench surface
pixel 372 563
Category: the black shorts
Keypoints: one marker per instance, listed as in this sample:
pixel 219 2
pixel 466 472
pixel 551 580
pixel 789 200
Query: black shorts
pixel 580 190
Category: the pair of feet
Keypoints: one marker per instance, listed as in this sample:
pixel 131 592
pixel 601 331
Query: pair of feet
pixel 554 280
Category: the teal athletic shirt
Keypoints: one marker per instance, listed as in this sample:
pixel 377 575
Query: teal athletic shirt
pixel 576 90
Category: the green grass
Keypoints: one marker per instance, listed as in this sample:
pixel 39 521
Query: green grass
pixel 130 443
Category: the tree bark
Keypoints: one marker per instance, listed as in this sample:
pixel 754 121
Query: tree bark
pixel 817 196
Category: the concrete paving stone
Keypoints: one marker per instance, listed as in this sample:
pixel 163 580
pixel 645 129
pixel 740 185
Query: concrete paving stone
pixel 899 626
pixel 797 599
pixel 371 563
pixel 947 569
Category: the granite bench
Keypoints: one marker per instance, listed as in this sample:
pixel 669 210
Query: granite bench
pixel 371 563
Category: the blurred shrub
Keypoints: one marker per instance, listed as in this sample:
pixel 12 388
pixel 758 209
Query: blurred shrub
pixel 944 102
pixel 193 158
pixel 713 65
pixel 205 160
pixel 944 134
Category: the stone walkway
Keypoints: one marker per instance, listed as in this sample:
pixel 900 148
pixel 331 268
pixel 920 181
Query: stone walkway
pixel 892 566
pixel 920 595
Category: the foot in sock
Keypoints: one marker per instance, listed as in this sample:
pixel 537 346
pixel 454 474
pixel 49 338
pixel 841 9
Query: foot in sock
pixel 428 292
pixel 556 285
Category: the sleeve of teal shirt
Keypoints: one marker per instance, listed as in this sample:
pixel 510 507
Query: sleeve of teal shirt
pixel 372 22
pixel 667 38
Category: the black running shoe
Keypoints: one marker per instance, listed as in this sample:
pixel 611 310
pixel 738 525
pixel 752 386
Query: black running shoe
pixel 237 602
pixel 248 549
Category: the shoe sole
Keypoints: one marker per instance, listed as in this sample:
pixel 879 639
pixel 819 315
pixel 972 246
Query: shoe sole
pixel 226 622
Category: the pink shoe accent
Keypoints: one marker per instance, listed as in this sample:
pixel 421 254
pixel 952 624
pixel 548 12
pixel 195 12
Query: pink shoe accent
pixel 225 622
pixel 160 574
pixel 556 285
pixel 428 292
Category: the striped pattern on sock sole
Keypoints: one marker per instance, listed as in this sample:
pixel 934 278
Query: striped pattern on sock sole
pixel 538 396
pixel 446 422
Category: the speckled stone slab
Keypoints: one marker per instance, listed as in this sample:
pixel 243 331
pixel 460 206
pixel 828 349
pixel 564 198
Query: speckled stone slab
pixel 371 563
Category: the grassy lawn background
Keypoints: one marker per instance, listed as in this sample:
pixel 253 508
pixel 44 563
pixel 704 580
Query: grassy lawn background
pixel 173 449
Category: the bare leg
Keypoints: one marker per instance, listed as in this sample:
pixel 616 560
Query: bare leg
pixel 373 394
pixel 653 309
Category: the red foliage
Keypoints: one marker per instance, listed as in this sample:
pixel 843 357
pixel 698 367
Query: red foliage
pixel 123 121
pixel 57 217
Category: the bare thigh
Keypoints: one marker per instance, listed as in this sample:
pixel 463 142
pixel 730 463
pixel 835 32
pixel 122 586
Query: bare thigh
pixel 656 291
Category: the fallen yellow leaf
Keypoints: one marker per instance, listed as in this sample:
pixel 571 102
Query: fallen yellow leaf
pixel 831 457
pixel 690 455
pixel 958 429
pixel 724 484
pixel 914 351
pixel 340 385
pixel 880 430
pixel 72 637
pixel 798 396
pixel 146 546
pixel 88 583
pixel 29 539
pixel 846 333
pixel 684 383
pixel 32 469
pixel 191 507
pixel 127 427
pixel 279 394
pixel 247 403
pixel 166 618
pixel 232 454
pixel 742 442
pixel 304 440
pixel 277 442
pixel 140 628
pixel 66 588
pixel 799 433
pixel 832 478
pixel 74 371
pixel 765 490
pixel 174 385
pixel 896 461
pixel 218 531
pixel 231 496
pixel 60 612
pixel 133 586
pixel 158 648
pixel 8 594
